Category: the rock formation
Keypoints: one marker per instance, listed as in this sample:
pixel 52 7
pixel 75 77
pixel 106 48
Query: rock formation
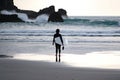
pixel 50 11
pixel 62 12
pixel 9 18
pixel 30 14
pixel 55 17
pixel 7 5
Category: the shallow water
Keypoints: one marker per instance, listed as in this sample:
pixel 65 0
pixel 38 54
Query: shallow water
pixel 104 60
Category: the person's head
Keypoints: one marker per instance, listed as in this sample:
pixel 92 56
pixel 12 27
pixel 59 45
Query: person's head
pixel 57 30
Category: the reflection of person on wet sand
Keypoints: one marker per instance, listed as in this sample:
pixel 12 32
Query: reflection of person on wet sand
pixel 58 41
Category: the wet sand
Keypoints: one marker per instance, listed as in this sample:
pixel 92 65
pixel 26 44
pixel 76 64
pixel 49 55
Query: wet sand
pixel 12 69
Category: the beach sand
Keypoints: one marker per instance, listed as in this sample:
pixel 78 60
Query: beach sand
pixel 48 69
pixel 12 69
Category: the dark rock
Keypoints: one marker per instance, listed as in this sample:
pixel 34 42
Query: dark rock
pixel 31 14
pixel 5 56
pixel 9 18
pixel 62 12
pixel 55 17
pixel 7 5
pixel 48 10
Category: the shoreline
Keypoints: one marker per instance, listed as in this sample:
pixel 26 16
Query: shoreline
pixel 97 60
pixel 91 55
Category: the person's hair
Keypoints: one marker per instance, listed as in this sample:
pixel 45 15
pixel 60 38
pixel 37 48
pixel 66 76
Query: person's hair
pixel 57 30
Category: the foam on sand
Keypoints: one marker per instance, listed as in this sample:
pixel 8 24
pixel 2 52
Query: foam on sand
pixel 105 59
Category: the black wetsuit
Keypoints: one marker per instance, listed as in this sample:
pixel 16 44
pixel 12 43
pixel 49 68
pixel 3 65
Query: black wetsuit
pixel 57 46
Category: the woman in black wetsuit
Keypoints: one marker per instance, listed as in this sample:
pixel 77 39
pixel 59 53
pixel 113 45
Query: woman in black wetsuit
pixel 57 45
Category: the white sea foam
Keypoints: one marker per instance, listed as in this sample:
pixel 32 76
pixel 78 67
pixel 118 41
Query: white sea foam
pixel 104 59
pixel 41 18
pixel 24 17
pixel 5 12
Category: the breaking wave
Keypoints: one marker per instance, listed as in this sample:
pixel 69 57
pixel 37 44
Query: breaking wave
pixel 24 17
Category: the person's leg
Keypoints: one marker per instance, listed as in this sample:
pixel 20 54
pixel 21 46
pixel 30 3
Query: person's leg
pixel 59 53
pixel 56 52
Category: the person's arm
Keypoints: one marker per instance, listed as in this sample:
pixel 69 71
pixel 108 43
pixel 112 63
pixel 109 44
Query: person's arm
pixel 61 39
pixel 53 40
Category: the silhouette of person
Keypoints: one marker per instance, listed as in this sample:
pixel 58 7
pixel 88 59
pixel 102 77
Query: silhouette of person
pixel 58 41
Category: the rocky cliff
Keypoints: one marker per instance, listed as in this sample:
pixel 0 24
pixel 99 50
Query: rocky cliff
pixel 9 5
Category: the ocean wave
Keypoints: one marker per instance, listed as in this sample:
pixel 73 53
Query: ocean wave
pixel 105 22
pixel 51 32
pixel 24 17
pixel 71 27
pixel 92 22
pixel 70 40
pixel 89 21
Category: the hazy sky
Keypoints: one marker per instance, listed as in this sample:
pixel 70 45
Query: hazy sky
pixel 75 7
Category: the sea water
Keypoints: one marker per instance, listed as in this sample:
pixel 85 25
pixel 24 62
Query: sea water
pixel 73 27
pixel 83 34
